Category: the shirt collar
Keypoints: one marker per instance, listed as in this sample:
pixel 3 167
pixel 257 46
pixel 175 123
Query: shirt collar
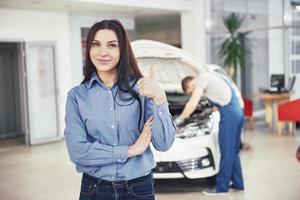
pixel 94 77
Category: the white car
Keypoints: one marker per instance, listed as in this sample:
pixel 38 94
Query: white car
pixel 195 151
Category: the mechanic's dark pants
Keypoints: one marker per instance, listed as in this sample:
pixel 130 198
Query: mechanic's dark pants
pixel 230 129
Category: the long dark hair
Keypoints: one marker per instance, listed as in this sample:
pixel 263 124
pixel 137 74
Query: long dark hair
pixel 127 67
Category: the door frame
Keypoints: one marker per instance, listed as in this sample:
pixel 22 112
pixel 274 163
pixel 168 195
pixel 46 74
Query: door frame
pixel 23 77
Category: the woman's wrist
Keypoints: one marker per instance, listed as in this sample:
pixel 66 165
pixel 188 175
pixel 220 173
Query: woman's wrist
pixel 160 98
pixel 131 151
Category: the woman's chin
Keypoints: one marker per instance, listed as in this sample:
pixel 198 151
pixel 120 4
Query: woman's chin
pixel 106 69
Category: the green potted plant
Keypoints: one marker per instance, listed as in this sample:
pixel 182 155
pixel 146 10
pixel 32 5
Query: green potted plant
pixel 234 50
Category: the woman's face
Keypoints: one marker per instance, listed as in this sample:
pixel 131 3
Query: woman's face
pixel 105 51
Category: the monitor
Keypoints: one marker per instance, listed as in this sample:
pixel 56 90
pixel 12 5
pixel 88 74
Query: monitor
pixel 277 80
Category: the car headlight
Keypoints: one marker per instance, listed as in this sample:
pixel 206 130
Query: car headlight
pixel 196 129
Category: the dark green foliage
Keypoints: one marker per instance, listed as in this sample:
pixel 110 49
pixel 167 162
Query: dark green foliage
pixel 235 49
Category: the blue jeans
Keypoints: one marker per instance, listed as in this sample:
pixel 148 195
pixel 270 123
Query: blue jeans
pixel 141 188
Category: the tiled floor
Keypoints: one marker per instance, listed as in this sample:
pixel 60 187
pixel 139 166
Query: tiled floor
pixel 44 172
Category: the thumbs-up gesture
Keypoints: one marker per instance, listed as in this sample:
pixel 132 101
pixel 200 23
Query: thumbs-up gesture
pixel 150 88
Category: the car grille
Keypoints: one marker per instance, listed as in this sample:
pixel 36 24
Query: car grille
pixel 166 167
pixel 183 166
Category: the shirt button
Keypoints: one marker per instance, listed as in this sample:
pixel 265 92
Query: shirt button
pixel 119 160
pixel 109 91
pixel 115 144
pixel 160 113
pixel 113 177
pixel 112 126
pixel 111 108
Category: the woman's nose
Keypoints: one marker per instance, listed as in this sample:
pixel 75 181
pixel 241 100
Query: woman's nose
pixel 103 51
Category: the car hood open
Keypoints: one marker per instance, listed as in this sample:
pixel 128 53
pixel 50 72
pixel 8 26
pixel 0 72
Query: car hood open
pixel 172 63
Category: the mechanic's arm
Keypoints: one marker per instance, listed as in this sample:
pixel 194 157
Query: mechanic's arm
pixel 191 105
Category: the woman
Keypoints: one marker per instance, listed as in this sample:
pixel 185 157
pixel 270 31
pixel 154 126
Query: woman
pixel 112 117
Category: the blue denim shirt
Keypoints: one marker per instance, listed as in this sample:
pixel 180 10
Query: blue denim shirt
pixel 100 127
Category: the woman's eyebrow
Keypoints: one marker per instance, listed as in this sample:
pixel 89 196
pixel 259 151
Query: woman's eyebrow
pixel 112 41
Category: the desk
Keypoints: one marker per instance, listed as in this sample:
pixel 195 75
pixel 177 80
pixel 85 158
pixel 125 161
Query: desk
pixel 271 103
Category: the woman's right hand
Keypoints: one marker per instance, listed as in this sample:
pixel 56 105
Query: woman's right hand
pixel 142 143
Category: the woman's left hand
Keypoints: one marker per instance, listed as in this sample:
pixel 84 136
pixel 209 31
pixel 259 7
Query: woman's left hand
pixel 150 88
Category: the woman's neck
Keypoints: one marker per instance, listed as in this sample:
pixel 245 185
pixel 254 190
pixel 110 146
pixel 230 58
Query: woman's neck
pixel 108 78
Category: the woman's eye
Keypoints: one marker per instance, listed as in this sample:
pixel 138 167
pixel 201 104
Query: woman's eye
pixel 112 45
pixel 95 44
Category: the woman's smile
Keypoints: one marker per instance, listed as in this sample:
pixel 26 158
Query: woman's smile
pixel 103 61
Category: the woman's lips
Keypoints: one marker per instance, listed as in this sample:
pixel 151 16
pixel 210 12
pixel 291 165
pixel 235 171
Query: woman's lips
pixel 101 61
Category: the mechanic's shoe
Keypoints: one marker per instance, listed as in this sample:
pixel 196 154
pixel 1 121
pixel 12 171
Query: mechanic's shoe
pixel 298 154
pixel 246 146
pixel 235 189
pixel 213 192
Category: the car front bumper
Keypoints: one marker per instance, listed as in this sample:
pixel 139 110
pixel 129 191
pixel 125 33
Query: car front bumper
pixel 196 157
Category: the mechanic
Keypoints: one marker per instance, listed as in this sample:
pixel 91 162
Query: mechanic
pixel 220 93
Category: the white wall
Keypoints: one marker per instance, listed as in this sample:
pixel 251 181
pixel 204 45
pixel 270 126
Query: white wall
pixel 171 5
pixel 33 26
pixel 242 6
pixel 76 23
pixel 276 40
pixel 193 36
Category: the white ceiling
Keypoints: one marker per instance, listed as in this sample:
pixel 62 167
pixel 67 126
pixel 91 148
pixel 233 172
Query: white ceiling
pixel 79 7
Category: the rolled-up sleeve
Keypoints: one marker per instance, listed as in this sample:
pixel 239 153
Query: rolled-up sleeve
pixel 82 151
pixel 163 129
